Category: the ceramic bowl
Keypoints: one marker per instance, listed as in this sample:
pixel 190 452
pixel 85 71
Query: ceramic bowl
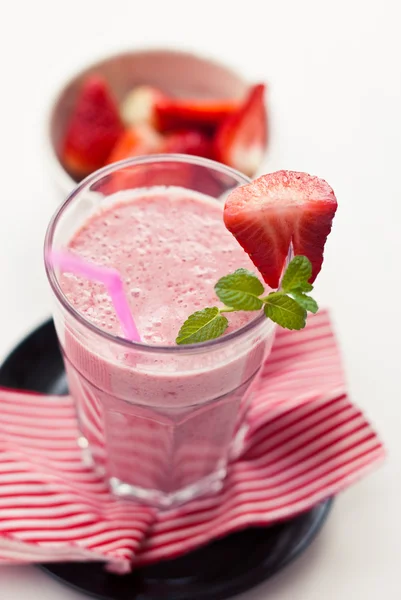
pixel 175 72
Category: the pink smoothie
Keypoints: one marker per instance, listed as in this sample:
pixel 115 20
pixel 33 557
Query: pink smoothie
pixel 170 251
pixel 159 423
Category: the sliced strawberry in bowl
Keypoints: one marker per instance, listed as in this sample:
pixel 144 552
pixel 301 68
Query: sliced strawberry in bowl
pixel 278 209
pixel 188 142
pixel 143 140
pixel 241 139
pixel 180 113
pixel 136 141
pixel 139 140
pixel 93 129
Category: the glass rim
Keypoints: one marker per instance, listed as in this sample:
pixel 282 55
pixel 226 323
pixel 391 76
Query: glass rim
pixel 97 176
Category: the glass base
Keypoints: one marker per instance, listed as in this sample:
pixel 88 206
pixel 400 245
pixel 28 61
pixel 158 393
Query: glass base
pixel 208 485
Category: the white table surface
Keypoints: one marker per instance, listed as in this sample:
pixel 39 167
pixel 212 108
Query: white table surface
pixel 334 72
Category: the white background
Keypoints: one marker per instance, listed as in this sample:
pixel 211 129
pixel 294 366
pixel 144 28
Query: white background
pixel 334 75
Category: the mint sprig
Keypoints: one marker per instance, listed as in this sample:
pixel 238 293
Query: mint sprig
pixel 202 325
pixel 297 275
pixel 285 311
pixel 242 290
pixel 307 302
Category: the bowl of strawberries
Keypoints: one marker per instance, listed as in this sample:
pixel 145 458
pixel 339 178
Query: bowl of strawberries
pixel 155 102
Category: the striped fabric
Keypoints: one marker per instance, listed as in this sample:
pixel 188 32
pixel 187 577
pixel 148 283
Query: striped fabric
pixel 305 442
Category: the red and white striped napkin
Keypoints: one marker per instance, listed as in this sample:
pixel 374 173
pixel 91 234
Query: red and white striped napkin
pixel 306 442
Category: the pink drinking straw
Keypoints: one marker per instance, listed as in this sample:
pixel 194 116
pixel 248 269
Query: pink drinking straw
pixel 111 279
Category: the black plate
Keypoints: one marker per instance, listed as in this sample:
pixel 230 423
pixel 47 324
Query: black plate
pixel 219 570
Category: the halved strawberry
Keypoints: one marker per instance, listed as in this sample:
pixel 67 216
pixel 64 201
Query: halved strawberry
pixel 180 113
pixel 93 129
pixel 241 139
pixel 139 105
pixel 188 142
pixel 268 214
pixel 138 140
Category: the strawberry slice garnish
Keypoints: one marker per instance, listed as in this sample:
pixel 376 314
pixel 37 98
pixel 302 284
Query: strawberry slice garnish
pixel 188 142
pixel 241 139
pixel 268 214
pixel 176 113
pixel 93 129
pixel 135 141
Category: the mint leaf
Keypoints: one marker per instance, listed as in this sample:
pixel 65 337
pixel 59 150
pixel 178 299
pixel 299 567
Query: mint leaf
pixel 304 287
pixel 201 326
pixel 306 302
pixel 285 311
pixel 297 274
pixel 240 290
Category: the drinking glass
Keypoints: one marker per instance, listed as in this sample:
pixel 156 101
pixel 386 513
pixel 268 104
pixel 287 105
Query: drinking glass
pixel 160 423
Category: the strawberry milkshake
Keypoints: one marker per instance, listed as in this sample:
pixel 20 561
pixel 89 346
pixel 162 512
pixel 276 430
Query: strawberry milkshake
pixel 157 419
pixel 162 412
